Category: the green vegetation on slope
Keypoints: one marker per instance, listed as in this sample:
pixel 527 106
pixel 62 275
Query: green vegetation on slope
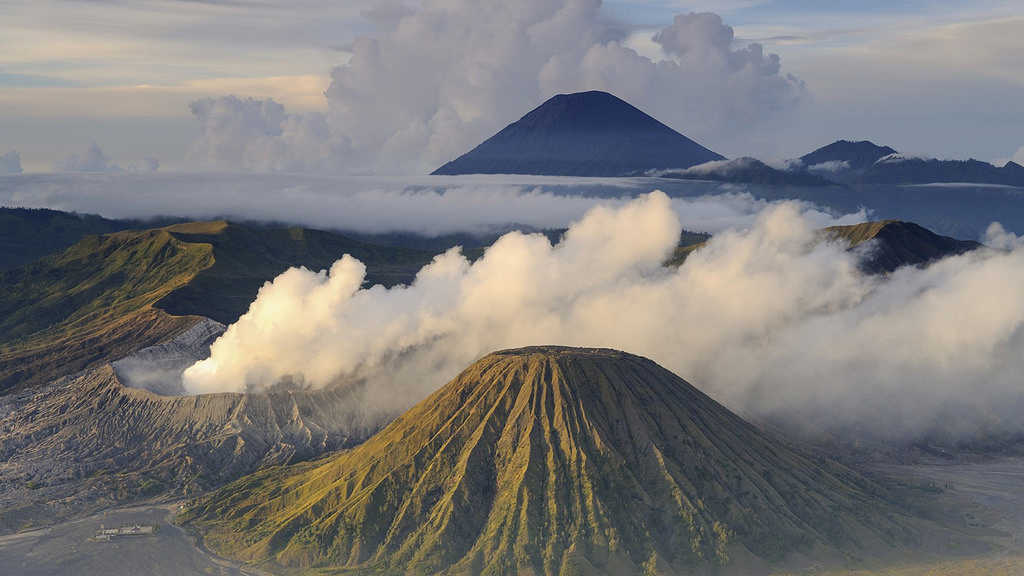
pixel 91 303
pixel 895 244
pixel 28 234
pixel 247 256
pixel 110 295
pixel 551 461
pixel 898 243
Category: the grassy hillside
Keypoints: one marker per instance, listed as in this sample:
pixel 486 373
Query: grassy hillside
pixel 91 303
pixel 28 234
pixel 109 295
pixel 898 243
pixel 894 244
pixel 553 461
pixel 247 256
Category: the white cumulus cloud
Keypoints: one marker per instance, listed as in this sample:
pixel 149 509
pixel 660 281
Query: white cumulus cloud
pixel 439 79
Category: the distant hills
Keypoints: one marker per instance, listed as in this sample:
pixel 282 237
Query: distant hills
pixel 597 134
pixel 864 162
pixel 29 234
pixel 886 245
pixel 555 461
pixel 582 134
pixel 844 154
pixel 894 244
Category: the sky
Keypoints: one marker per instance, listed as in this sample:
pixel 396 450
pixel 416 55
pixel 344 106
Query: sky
pixel 391 87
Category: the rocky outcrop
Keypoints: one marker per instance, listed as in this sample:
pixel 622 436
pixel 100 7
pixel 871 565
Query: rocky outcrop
pixel 159 368
pixel 85 442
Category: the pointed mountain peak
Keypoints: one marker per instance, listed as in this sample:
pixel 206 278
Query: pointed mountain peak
pixel 582 134
pixel 855 154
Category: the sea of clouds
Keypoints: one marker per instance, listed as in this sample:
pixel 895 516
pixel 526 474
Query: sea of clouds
pixel 430 205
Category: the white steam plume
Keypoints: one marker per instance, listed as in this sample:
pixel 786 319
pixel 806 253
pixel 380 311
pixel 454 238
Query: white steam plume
pixel 771 321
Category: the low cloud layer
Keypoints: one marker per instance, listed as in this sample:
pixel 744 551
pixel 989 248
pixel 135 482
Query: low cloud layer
pixel 437 80
pixel 427 205
pixel 769 320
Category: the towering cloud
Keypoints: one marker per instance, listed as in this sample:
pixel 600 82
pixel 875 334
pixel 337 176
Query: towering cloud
pixel 439 79
pixel 770 320
pixel 10 163
pixel 257 135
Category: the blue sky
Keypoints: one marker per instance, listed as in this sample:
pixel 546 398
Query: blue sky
pixel 932 78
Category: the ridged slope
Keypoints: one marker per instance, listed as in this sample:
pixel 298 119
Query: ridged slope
pixel 550 461
pixel 582 134
pixel 82 444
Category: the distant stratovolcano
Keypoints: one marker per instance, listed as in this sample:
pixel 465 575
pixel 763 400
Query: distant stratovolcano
pixel 582 134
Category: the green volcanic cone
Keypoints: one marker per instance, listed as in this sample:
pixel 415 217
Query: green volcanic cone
pixel 552 461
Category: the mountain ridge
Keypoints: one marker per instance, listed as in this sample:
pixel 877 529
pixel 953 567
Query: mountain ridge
pixel 109 295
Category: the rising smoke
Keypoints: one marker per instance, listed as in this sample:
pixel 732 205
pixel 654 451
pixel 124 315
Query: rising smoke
pixel 770 320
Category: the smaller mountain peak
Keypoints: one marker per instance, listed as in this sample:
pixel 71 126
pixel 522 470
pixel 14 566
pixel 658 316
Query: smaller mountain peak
pixel 898 243
pixel 855 154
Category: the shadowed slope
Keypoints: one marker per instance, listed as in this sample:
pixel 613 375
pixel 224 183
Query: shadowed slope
pixel 246 256
pixel 886 244
pixel 582 134
pixel 551 461
pixel 92 302
pixel 27 234
pixel 895 244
